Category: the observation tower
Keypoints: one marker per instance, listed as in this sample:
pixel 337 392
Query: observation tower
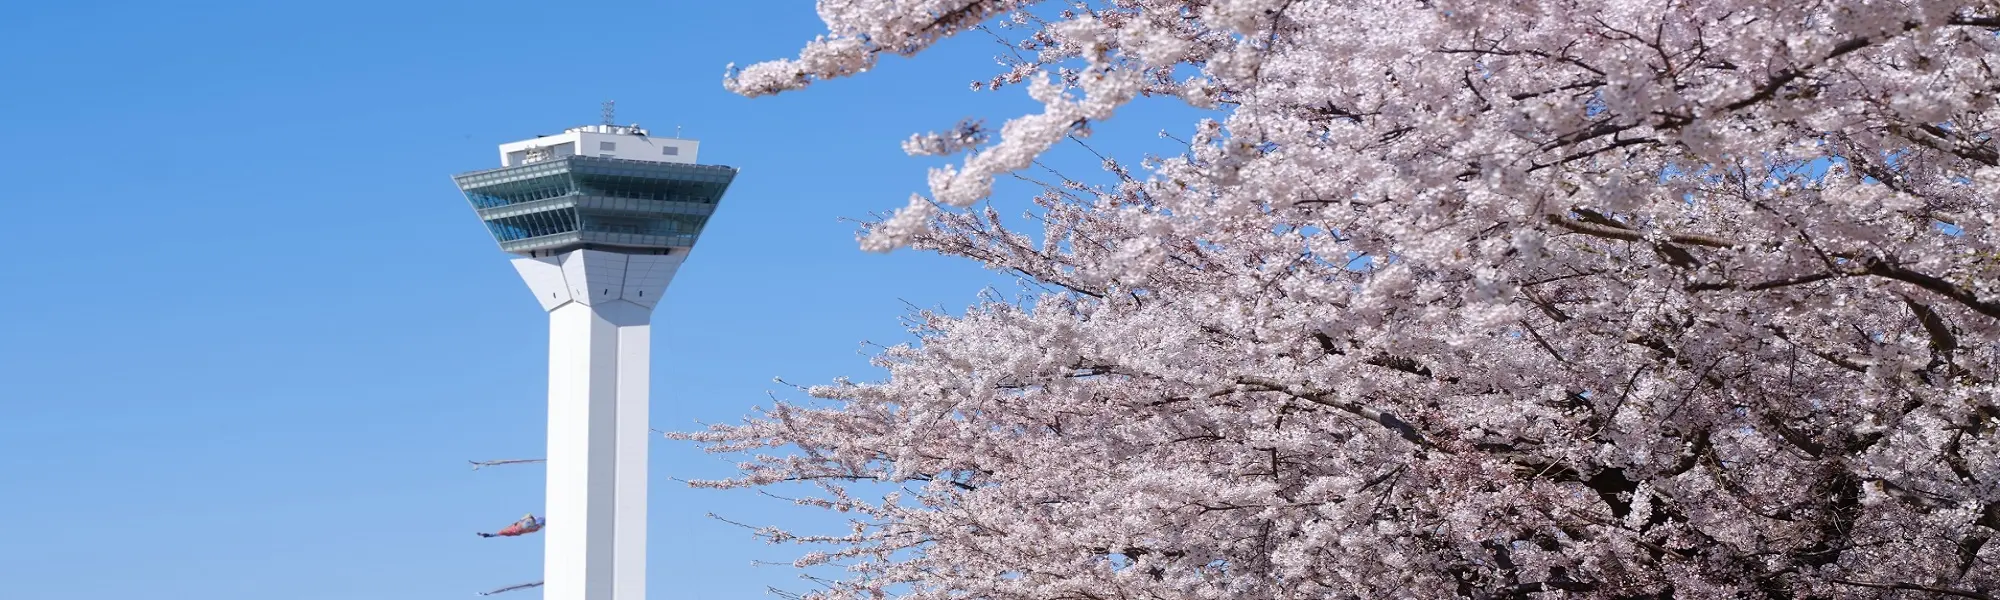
pixel 599 217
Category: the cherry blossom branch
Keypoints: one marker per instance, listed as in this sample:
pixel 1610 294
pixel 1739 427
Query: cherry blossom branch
pixel 1947 142
pixel 1869 265
pixel 1631 235
pixel 1883 268
pixel 1402 428
pixel 1838 360
pixel 1917 588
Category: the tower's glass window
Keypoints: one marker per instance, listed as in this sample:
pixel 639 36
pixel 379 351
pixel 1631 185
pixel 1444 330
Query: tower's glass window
pixel 607 145
pixel 535 224
pixel 671 150
pixel 517 189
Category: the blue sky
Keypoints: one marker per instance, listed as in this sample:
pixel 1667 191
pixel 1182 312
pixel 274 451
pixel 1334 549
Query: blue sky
pixel 251 332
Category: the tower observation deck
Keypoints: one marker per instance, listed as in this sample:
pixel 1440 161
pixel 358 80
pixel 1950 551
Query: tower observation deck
pixel 623 192
pixel 600 218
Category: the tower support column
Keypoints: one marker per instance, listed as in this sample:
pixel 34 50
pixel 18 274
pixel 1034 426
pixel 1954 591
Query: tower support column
pixel 600 308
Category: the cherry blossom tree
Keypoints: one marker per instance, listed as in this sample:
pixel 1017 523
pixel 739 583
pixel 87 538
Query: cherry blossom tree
pixel 1449 299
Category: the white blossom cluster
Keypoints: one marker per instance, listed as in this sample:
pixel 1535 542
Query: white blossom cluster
pixel 1450 299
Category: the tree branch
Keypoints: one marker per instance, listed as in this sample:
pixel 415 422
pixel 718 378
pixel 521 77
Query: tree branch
pixel 1630 235
pixel 1780 80
pixel 1403 429
pixel 1882 268
pixel 1917 588
pixel 1869 265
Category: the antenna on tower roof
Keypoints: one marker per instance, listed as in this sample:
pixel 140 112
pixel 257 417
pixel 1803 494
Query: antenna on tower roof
pixel 610 112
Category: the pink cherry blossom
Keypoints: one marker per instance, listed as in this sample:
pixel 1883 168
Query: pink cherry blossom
pixel 1506 299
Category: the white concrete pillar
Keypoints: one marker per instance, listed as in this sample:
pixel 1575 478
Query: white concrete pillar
pixel 600 306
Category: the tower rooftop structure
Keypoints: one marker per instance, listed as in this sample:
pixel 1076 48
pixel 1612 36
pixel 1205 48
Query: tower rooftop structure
pixel 598 187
